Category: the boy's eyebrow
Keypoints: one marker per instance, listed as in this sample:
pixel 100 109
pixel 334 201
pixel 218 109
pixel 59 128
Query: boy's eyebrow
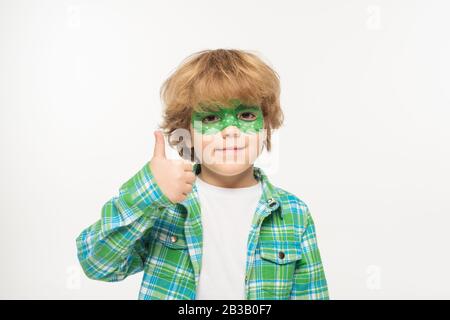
pixel 245 106
pixel 208 109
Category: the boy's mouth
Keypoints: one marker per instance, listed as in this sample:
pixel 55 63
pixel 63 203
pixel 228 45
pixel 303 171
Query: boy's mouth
pixel 230 149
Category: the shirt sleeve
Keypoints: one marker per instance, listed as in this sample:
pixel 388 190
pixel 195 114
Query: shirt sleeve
pixel 309 275
pixel 115 246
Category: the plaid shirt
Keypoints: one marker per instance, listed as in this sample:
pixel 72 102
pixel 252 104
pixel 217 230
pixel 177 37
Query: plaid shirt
pixel 142 230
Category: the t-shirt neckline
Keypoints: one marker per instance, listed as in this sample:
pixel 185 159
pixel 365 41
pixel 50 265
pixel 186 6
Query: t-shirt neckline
pixel 223 190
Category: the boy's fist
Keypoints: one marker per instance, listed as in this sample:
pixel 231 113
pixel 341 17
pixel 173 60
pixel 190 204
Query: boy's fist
pixel 174 177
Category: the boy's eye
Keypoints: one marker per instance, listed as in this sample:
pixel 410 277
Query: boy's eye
pixel 247 116
pixel 210 119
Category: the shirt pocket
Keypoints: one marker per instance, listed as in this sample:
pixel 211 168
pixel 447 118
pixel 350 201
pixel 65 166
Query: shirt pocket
pixel 280 252
pixel 276 267
pixel 169 261
pixel 172 239
pixel 170 230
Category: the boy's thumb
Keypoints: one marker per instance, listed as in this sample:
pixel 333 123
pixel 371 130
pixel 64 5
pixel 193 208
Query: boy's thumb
pixel 160 148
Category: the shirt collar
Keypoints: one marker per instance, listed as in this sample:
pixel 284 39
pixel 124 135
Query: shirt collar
pixel 270 199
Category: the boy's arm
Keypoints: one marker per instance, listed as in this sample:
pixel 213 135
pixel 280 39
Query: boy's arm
pixel 309 277
pixel 115 246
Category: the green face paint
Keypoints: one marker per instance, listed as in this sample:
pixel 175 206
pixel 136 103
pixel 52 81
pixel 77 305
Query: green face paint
pixel 249 119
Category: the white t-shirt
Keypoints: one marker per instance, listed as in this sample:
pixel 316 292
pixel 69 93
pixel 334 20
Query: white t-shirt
pixel 226 215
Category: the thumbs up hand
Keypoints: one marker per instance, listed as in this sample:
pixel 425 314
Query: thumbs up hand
pixel 174 177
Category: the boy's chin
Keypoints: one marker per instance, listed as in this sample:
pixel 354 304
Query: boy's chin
pixel 228 169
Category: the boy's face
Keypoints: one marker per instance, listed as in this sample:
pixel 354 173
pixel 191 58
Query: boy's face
pixel 229 140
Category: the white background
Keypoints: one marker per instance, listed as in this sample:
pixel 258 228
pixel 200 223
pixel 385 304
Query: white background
pixel 365 92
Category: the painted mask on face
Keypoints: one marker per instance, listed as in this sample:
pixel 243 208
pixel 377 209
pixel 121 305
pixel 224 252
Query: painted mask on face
pixel 249 119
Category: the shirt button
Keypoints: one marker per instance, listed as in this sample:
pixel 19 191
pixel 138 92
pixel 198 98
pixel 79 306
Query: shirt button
pixel 273 204
pixel 173 239
pixel 281 254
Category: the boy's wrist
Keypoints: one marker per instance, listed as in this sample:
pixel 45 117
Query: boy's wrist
pixel 142 190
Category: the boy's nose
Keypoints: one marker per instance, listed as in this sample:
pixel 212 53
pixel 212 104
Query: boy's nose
pixel 231 131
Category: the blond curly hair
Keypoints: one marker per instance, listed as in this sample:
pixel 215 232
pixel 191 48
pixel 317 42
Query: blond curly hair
pixel 211 77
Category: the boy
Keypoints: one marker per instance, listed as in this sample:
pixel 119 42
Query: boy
pixel 215 229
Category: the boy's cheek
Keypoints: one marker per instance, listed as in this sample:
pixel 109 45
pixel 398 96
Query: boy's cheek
pixel 204 146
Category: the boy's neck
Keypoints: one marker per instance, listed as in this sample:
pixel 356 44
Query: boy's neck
pixel 241 180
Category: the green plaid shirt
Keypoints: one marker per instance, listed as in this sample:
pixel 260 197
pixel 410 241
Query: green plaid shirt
pixel 142 230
